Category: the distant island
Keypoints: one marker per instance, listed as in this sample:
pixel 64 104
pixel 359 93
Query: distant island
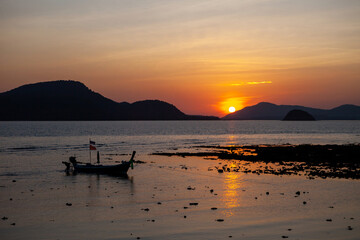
pixel 298 115
pixel 67 100
pixel 270 111
pixel 72 100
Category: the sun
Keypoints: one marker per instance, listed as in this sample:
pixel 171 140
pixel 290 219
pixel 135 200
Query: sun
pixel 232 109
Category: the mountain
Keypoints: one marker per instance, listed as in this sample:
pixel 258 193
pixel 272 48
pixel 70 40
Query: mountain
pixel 298 115
pixel 270 111
pixel 72 100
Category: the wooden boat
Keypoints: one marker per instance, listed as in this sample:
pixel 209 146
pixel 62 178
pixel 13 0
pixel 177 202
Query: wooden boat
pixel 117 169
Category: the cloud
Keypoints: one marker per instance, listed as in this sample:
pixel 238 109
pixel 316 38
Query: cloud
pixel 250 83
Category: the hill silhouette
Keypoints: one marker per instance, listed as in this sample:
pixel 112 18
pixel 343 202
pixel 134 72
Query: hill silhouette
pixel 298 115
pixel 72 100
pixel 270 111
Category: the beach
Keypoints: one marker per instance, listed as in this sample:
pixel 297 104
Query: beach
pixel 179 199
pixel 168 197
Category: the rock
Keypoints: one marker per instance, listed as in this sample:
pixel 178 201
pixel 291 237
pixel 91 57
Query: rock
pixel 220 170
pixel 219 220
pixel 304 202
pixel 68 204
pixel 213 208
pixel 297 193
pixel 145 209
pixel 298 115
pixel 194 204
pixel 285 236
pixel 13 224
pixel 267 193
pixel 329 220
pixel 349 228
pixel 4 218
pixel 159 203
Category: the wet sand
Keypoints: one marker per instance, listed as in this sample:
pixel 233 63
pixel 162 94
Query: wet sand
pixel 178 198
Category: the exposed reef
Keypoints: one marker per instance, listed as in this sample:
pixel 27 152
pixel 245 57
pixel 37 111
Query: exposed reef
pixel 325 161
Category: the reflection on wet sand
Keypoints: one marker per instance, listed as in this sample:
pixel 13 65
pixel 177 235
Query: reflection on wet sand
pixel 233 184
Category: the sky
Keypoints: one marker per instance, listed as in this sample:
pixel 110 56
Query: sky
pixel 202 56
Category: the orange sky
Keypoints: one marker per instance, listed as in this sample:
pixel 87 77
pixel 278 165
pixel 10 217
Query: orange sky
pixel 202 56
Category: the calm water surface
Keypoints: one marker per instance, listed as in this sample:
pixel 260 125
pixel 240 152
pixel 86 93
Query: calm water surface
pixel 148 136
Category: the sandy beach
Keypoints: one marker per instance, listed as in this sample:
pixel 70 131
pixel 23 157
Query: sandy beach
pixel 178 198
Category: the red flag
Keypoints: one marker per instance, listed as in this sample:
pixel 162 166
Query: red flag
pixel 92 147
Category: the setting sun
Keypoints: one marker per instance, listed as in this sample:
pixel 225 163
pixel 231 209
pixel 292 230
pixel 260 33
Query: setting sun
pixel 232 109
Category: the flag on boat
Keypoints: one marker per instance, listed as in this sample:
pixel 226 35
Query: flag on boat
pixel 92 143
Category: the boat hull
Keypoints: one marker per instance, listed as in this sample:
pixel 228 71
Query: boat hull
pixel 119 169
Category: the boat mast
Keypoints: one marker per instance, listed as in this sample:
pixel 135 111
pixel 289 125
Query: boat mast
pixel 90 150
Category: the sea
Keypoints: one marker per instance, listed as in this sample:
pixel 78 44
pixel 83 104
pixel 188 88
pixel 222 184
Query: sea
pixel 38 200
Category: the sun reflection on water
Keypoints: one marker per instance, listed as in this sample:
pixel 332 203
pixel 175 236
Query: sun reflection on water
pixel 233 186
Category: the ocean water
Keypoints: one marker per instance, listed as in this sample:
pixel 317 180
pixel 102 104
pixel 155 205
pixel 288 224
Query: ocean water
pixel 34 188
pixel 150 136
